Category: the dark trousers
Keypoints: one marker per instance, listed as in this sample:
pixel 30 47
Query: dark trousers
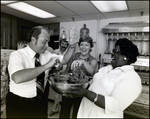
pixel 19 107
pixel 66 106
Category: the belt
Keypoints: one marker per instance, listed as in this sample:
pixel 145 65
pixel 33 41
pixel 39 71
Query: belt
pixel 23 98
pixel 28 99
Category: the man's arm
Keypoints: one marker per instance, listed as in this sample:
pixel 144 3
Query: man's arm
pixel 31 73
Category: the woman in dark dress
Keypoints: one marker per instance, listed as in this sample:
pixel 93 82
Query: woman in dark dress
pixel 82 64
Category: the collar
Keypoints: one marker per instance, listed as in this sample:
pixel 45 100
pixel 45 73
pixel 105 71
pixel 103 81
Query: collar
pixel 30 52
pixel 125 68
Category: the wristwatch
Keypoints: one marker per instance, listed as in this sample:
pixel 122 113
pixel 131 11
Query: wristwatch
pixel 96 98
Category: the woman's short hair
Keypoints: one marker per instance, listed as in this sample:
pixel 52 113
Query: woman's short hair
pixel 86 39
pixel 35 31
pixel 128 49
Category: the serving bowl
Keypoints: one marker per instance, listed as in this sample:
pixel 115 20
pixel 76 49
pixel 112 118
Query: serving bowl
pixel 60 87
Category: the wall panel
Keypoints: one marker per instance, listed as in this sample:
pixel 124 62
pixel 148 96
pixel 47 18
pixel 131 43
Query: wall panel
pixel 11 30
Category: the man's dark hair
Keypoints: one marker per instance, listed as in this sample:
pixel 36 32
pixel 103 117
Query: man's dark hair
pixel 35 31
pixel 63 40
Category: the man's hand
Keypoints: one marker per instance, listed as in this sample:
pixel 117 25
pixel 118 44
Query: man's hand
pixel 60 67
pixel 52 61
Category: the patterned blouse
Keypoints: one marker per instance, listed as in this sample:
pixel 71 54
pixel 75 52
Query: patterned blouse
pixel 80 72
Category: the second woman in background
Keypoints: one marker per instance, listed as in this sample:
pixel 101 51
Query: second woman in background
pixel 86 65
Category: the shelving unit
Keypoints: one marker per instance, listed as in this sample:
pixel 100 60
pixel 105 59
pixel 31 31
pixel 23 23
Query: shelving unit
pixel 141 39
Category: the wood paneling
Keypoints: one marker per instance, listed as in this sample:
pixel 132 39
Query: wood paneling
pixel 14 29
pixel 11 30
pixel 54 28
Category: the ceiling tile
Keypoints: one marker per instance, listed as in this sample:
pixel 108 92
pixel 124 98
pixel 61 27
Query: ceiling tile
pixel 134 13
pixel 17 13
pixel 93 16
pixel 80 7
pixel 79 10
pixel 51 7
pixel 138 4
pixel 76 18
pixel 116 14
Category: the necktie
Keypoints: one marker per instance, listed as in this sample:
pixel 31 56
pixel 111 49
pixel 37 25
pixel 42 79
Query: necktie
pixel 40 80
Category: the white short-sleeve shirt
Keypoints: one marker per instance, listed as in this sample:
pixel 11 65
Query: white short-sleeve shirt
pixel 24 59
pixel 120 86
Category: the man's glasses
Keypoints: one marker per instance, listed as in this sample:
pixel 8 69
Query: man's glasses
pixel 115 51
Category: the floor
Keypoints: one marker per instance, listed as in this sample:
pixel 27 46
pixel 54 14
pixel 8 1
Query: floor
pixel 50 106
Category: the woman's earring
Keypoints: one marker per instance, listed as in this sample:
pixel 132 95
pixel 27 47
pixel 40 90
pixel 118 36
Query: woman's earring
pixel 125 58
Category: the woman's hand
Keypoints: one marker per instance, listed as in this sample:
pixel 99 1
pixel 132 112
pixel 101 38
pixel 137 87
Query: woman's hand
pixel 75 91
pixel 73 40
pixel 77 63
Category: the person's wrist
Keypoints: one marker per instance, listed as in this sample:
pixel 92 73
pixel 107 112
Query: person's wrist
pixel 48 66
pixel 85 93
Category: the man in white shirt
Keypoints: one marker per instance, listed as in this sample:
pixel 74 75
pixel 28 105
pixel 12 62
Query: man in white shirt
pixel 22 101
pixel 63 45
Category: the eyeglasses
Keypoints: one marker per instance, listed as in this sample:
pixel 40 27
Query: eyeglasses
pixel 115 51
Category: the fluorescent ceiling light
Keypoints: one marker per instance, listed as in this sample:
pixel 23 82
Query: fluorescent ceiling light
pixel 110 6
pixel 29 9
pixel 6 2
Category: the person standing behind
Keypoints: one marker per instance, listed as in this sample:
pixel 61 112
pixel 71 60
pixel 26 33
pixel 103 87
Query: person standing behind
pixel 21 44
pixel 63 45
pixel 26 98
